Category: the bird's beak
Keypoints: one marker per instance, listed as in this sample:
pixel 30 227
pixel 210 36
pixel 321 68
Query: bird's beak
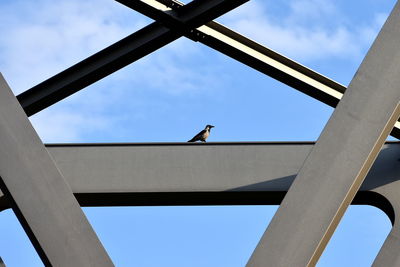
pixel 212 126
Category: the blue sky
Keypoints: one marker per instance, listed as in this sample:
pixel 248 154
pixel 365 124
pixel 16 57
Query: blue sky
pixel 172 94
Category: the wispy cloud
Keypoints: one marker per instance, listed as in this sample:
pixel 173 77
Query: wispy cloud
pixel 61 126
pixel 44 37
pixel 177 69
pixel 41 38
pixel 308 30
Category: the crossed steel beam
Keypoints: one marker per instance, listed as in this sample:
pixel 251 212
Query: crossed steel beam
pixel 238 174
pixel 342 157
pixel 38 194
pixel 154 36
pixel 368 112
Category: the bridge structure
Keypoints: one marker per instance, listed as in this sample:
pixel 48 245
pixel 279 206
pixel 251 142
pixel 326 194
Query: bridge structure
pixel 313 182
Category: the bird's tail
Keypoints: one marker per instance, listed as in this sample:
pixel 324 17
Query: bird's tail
pixel 191 140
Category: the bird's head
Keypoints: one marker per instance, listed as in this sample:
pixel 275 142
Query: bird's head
pixel 208 127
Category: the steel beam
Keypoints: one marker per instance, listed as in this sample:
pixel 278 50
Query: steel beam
pixel 338 163
pixel 153 37
pixel 224 174
pixel 252 54
pixel 118 55
pixel 237 46
pixel 389 253
pixel 39 196
pixel 248 52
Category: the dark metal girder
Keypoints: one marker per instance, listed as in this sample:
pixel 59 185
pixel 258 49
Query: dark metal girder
pixel 201 35
pixel 250 53
pixel 95 67
pixel 118 55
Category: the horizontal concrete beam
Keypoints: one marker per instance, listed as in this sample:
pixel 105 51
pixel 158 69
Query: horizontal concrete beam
pixel 211 174
pixel 198 174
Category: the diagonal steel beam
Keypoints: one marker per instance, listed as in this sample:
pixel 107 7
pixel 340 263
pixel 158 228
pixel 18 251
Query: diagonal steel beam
pixel 144 42
pixel 337 165
pixel 120 54
pixel 248 52
pixel 224 174
pixel 39 196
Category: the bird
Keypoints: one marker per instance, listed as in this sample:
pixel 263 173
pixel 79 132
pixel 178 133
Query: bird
pixel 203 135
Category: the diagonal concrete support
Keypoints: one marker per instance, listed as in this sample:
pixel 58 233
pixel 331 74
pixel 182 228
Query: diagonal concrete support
pixel 41 199
pixel 339 162
pixel 224 174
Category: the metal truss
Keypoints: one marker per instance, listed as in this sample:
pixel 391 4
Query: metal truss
pixel 118 55
pixel 41 190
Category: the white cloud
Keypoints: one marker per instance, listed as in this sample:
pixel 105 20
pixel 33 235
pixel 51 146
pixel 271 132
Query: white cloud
pixel 61 126
pixel 309 29
pixel 310 9
pixel 174 70
pixel 41 38
pixel 39 41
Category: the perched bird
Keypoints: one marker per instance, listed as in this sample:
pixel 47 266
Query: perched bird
pixel 203 135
